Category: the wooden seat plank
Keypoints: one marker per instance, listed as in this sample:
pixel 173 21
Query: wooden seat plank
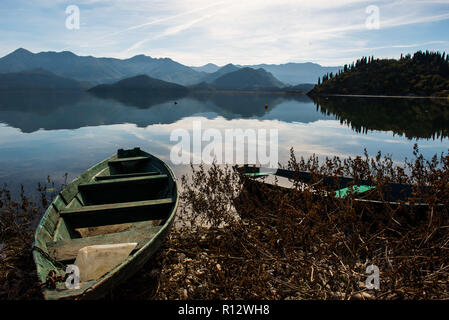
pixel 126 175
pixel 117 213
pixel 114 206
pixel 123 160
pixel 64 250
pixel 131 180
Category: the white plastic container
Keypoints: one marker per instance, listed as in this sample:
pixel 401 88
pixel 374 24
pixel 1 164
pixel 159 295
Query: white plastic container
pixel 95 261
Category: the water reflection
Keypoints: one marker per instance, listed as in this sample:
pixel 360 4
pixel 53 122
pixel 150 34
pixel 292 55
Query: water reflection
pixel 141 99
pixel 82 129
pixel 412 118
pixel 32 111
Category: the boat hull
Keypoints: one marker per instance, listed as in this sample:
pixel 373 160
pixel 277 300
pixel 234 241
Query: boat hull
pixel 122 195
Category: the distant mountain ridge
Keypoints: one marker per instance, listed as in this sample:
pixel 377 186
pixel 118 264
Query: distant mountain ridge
pixel 220 72
pixel 208 68
pixel 107 70
pixel 246 79
pixel 98 70
pixel 297 73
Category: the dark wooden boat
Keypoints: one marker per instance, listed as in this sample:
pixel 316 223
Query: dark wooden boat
pixel 130 197
pixel 393 193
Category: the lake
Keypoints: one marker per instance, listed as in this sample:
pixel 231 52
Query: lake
pixel 53 133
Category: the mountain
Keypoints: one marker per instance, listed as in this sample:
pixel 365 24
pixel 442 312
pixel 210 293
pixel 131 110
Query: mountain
pixel 108 70
pixel 220 72
pixel 140 83
pixel 208 68
pixel 140 91
pixel 37 79
pixel 163 69
pixel 99 70
pixel 247 79
pixel 294 73
pixel 424 74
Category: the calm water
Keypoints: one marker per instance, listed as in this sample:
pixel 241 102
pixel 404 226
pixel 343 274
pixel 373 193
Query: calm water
pixel 53 133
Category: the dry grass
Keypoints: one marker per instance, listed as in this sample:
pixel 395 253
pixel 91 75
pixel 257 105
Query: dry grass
pixel 239 240
pixel 18 220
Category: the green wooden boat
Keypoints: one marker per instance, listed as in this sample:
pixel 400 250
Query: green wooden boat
pixel 130 197
pixel 392 193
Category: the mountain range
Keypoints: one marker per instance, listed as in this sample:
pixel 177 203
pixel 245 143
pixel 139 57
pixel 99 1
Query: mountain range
pixel 37 79
pixel 108 70
pixel 244 79
pixel 99 70
pixel 297 73
pixel 247 79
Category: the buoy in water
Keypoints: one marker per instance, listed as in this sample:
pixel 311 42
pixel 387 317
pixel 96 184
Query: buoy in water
pixel 266 106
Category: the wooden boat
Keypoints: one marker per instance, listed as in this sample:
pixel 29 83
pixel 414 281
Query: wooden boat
pixel 393 193
pixel 130 197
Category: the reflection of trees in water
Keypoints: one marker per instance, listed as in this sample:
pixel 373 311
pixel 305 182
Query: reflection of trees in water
pixel 412 118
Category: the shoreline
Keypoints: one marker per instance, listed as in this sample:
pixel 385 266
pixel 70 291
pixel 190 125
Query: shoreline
pixel 301 93
pixel 378 96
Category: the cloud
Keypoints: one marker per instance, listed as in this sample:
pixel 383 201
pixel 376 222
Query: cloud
pixel 169 32
pixel 242 32
pixel 160 20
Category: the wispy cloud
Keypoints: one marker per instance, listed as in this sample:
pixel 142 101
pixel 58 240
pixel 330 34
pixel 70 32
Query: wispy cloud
pixel 169 32
pixel 242 32
pixel 172 17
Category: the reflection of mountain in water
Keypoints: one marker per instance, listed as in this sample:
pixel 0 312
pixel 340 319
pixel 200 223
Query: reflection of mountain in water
pixel 413 118
pixel 71 110
pixel 142 99
pixel 38 102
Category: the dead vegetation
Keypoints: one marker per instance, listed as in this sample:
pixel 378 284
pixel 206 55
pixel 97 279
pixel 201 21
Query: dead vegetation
pixel 18 220
pixel 235 239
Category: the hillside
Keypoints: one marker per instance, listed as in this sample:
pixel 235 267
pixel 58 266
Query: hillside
pixel 37 79
pixel 424 74
pixel 99 70
pixel 140 91
pixel 247 79
pixel 140 83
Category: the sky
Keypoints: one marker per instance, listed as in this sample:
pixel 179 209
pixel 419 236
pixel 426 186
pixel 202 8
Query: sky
pixel 244 32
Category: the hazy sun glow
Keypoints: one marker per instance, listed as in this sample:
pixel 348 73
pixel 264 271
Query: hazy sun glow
pixel 242 32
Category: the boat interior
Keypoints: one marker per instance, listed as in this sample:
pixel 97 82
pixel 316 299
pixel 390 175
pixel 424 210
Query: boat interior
pixel 126 198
